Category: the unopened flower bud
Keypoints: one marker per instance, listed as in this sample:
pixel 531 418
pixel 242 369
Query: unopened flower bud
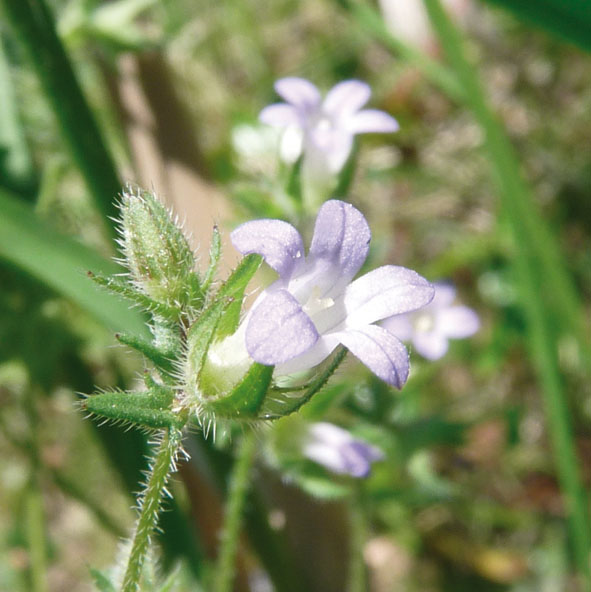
pixel 157 253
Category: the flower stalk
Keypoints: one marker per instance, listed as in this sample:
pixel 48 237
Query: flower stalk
pixel 240 479
pixel 150 501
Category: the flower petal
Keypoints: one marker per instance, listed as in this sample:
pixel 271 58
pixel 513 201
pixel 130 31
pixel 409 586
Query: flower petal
pixel 301 93
pixel 457 322
pixel 445 294
pixel 329 149
pixel 380 351
pixel 310 358
pixel 371 121
pixel 278 242
pixel 278 329
pixel 341 237
pixel 345 98
pixel 399 325
pixel 280 115
pixel 291 144
pixel 432 345
pixel 384 292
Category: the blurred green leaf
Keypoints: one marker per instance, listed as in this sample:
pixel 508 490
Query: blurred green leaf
pixel 430 431
pixel 101 581
pixel 61 263
pixel 34 25
pixel 16 167
pixel 568 19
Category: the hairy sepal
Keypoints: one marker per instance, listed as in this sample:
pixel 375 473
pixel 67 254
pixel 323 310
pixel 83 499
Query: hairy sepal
pixel 245 399
pixel 233 290
pixel 148 410
pixel 285 401
pixel 163 360
pixel 127 289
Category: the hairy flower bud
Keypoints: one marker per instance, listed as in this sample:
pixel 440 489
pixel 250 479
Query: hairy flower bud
pixel 157 253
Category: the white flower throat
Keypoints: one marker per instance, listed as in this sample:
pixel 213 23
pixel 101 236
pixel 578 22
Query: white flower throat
pixel 424 323
pixel 315 303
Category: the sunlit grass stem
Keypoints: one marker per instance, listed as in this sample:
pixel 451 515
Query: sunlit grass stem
pixel 534 267
pixel 239 482
pixel 357 577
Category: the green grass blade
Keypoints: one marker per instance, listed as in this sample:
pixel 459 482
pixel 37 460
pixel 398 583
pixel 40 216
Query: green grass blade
pixel 33 23
pixel 568 19
pixel 370 21
pixel 532 268
pixel 16 166
pixel 61 263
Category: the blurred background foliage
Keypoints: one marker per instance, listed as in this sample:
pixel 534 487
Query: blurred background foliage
pixel 487 449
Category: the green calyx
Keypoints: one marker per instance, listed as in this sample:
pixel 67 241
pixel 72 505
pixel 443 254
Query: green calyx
pixel 196 349
pixel 223 381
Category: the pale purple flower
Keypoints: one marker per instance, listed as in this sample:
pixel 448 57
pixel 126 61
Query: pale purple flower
pixel 314 306
pixel 323 129
pixel 338 451
pixel 431 328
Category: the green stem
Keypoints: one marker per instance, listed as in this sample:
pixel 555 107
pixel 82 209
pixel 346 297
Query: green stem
pixel 163 466
pixel 238 490
pixel 36 538
pixel 357 538
pixel 33 23
pixel 373 23
pixel 537 266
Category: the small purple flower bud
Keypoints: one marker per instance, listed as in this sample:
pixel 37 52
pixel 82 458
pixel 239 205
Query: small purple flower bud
pixel 338 451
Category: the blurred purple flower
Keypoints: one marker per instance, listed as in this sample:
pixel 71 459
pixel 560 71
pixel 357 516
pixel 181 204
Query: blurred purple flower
pixel 314 306
pixel 430 328
pixel 338 451
pixel 323 129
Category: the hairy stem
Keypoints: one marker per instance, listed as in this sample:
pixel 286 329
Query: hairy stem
pixel 163 466
pixel 226 564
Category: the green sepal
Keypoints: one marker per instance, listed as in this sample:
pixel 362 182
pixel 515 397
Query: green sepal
pixel 215 251
pixel 216 322
pixel 149 409
pixel 160 359
pixel 246 398
pixel 199 338
pixel 233 289
pixel 282 401
pixel 101 581
pixel 127 290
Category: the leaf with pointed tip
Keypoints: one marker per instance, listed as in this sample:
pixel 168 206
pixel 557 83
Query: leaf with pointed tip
pixel 284 403
pixel 160 359
pixel 148 409
pixel 246 398
pixel 215 251
pixel 126 289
